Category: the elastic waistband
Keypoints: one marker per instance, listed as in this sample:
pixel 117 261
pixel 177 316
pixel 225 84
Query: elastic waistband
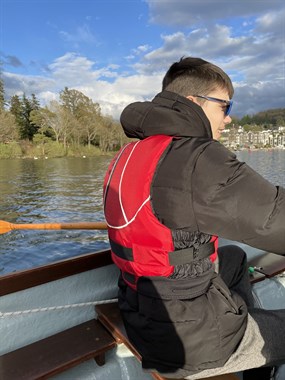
pixel 166 288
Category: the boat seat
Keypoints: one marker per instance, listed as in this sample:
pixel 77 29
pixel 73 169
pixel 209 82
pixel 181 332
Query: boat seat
pixel 59 352
pixel 268 265
pixel 109 315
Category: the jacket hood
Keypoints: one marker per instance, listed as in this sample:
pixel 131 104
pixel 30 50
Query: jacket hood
pixel 167 114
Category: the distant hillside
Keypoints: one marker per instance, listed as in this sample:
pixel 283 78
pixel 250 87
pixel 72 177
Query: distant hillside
pixel 272 117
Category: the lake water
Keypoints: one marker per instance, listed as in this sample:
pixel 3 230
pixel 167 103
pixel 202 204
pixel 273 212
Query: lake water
pixel 50 191
pixel 70 190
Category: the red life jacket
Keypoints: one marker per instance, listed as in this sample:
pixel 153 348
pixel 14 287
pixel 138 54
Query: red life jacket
pixel 140 244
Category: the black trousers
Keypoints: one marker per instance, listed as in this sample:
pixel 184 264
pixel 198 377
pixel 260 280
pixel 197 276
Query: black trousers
pixel 233 269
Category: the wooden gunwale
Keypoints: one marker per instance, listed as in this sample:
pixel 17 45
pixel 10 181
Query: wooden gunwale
pixel 20 280
pixel 272 264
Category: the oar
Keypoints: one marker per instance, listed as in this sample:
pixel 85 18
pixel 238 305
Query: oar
pixel 7 227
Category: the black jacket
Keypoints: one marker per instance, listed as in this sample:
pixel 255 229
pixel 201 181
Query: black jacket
pixel 191 321
pixel 224 196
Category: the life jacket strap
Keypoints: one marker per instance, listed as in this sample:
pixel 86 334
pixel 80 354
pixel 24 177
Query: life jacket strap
pixel 179 257
pixel 187 255
pixel 129 278
pixel 121 251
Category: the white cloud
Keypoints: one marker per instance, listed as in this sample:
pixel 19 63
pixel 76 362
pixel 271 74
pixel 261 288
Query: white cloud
pixel 261 96
pixel 82 34
pixel 79 73
pixel 142 48
pixel 19 84
pixel 261 86
pixel 76 69
pixel 138 51
pixel 253 56
pixel 113 97
pixel 197 12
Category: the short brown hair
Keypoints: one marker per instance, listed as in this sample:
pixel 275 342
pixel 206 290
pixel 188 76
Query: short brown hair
pixel 194 76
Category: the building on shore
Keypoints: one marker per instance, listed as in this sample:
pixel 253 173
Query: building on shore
pixel 238 138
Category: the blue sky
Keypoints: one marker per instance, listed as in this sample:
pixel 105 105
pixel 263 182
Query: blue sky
pixel 117 52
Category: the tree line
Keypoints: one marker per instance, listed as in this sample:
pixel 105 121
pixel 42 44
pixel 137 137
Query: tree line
pixel 268 119
pixel 74 120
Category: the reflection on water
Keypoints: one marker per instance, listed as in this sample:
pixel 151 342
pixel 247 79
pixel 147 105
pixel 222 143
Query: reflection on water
pixel 70 190
pixel 43 191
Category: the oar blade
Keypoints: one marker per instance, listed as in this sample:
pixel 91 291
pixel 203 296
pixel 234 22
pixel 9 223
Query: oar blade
pixel 4 227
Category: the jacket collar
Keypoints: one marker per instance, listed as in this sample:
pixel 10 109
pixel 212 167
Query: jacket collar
pixel 168 114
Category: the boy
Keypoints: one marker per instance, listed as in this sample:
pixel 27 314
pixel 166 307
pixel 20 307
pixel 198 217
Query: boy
pixel 187 304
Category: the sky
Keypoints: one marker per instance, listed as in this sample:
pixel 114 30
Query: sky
pixel 117 52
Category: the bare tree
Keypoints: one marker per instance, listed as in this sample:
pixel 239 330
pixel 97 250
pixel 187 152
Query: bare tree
pixel 8 127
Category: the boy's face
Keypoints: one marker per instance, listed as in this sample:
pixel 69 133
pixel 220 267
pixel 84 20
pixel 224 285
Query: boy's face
pixel 215 111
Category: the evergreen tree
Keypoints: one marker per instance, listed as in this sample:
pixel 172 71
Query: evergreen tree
pixel 21 109
pixel 35 104
pixel 16 108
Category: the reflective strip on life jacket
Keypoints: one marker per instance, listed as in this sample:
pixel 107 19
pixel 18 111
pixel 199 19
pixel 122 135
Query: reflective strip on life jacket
pixel 127 221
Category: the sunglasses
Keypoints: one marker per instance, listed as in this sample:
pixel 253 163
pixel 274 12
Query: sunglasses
pixel 227 103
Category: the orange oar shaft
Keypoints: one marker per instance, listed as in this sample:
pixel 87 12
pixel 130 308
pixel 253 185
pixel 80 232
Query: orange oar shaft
pixel 6 226
pixel 61 226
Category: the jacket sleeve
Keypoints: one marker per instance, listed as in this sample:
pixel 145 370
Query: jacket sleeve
pixel 232 201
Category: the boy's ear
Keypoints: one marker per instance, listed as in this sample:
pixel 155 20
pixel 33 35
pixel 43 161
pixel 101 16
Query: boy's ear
pixel 192 98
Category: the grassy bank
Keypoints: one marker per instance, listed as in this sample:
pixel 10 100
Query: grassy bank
pixel 51 149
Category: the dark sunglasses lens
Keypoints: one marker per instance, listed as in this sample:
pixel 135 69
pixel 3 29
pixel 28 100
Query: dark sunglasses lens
pixel 228 109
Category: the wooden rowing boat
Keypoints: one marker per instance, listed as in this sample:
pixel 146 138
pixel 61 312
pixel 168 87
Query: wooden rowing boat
pixel 55 319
